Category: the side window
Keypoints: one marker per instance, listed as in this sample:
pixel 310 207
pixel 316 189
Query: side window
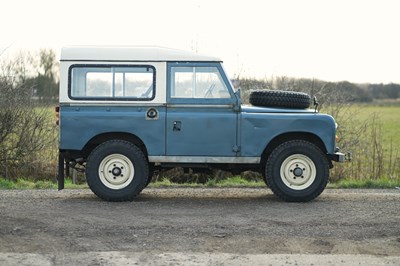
pixel 112 83
pixel 197 82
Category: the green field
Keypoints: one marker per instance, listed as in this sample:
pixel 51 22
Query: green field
pixel 388 117
pixel 371 133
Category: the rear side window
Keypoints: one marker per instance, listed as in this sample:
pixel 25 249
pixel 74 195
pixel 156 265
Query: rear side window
pixel 91 82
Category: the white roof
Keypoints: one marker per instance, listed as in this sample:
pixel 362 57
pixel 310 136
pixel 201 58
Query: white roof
pixel 130 53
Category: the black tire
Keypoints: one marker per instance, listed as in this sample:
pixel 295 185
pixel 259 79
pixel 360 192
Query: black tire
pixel 117 170
pixel 297 171
pixel 284 99
pixel 151 173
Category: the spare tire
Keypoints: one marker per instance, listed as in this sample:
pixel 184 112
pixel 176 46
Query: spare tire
pixel 285 99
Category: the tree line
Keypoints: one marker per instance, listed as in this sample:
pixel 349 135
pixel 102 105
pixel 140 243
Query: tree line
pixel 343 91
pixel 37 71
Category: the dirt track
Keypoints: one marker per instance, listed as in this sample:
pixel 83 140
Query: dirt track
pixel 196 221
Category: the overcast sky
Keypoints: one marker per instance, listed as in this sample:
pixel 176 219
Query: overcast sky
pixel 336 40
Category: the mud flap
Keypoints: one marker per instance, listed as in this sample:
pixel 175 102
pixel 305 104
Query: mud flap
pixel 60 178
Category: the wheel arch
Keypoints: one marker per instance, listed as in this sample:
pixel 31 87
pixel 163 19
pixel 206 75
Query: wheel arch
pixel 275 142
pixel 97 140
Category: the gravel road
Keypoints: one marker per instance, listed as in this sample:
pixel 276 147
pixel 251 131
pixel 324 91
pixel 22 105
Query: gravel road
pixel 197 226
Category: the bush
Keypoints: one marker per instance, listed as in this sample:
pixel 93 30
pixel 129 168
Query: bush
pixel 26 129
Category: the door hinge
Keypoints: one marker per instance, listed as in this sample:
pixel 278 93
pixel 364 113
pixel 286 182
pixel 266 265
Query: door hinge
pixel 236 148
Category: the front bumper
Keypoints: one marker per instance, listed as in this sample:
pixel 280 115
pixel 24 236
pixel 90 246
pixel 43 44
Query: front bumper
pixel 340 157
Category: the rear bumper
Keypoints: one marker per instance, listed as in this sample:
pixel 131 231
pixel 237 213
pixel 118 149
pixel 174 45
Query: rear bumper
pixel 340 157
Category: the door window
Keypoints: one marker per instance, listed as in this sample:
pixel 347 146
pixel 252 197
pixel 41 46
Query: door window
pixel 197 82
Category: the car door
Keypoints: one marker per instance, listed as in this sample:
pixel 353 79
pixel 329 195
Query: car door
pixel 201 118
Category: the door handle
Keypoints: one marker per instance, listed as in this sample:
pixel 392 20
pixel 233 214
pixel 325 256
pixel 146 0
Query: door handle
pixel 177 126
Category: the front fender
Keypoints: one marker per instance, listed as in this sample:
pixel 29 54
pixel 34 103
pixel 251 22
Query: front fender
pixel 258 129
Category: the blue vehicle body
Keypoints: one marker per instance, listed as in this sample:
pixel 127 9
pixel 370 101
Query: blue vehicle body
pixel 180 109
pixel 203 131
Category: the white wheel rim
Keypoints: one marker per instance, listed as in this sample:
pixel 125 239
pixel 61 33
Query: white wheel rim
pixel 116 171
pixel 298 172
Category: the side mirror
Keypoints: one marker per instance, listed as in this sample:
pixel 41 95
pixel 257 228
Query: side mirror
pixel 316 103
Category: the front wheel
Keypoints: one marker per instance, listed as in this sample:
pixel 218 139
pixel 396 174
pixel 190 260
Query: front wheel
pixel 297 171
pixel 117 170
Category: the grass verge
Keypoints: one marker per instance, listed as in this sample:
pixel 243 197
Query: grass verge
pixel 22 183
pixel 367 183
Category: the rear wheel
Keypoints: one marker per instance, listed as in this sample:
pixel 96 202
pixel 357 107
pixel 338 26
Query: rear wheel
pixel 117 170
pixel 297 170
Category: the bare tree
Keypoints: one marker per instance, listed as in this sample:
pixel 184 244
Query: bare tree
pixel 25 128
